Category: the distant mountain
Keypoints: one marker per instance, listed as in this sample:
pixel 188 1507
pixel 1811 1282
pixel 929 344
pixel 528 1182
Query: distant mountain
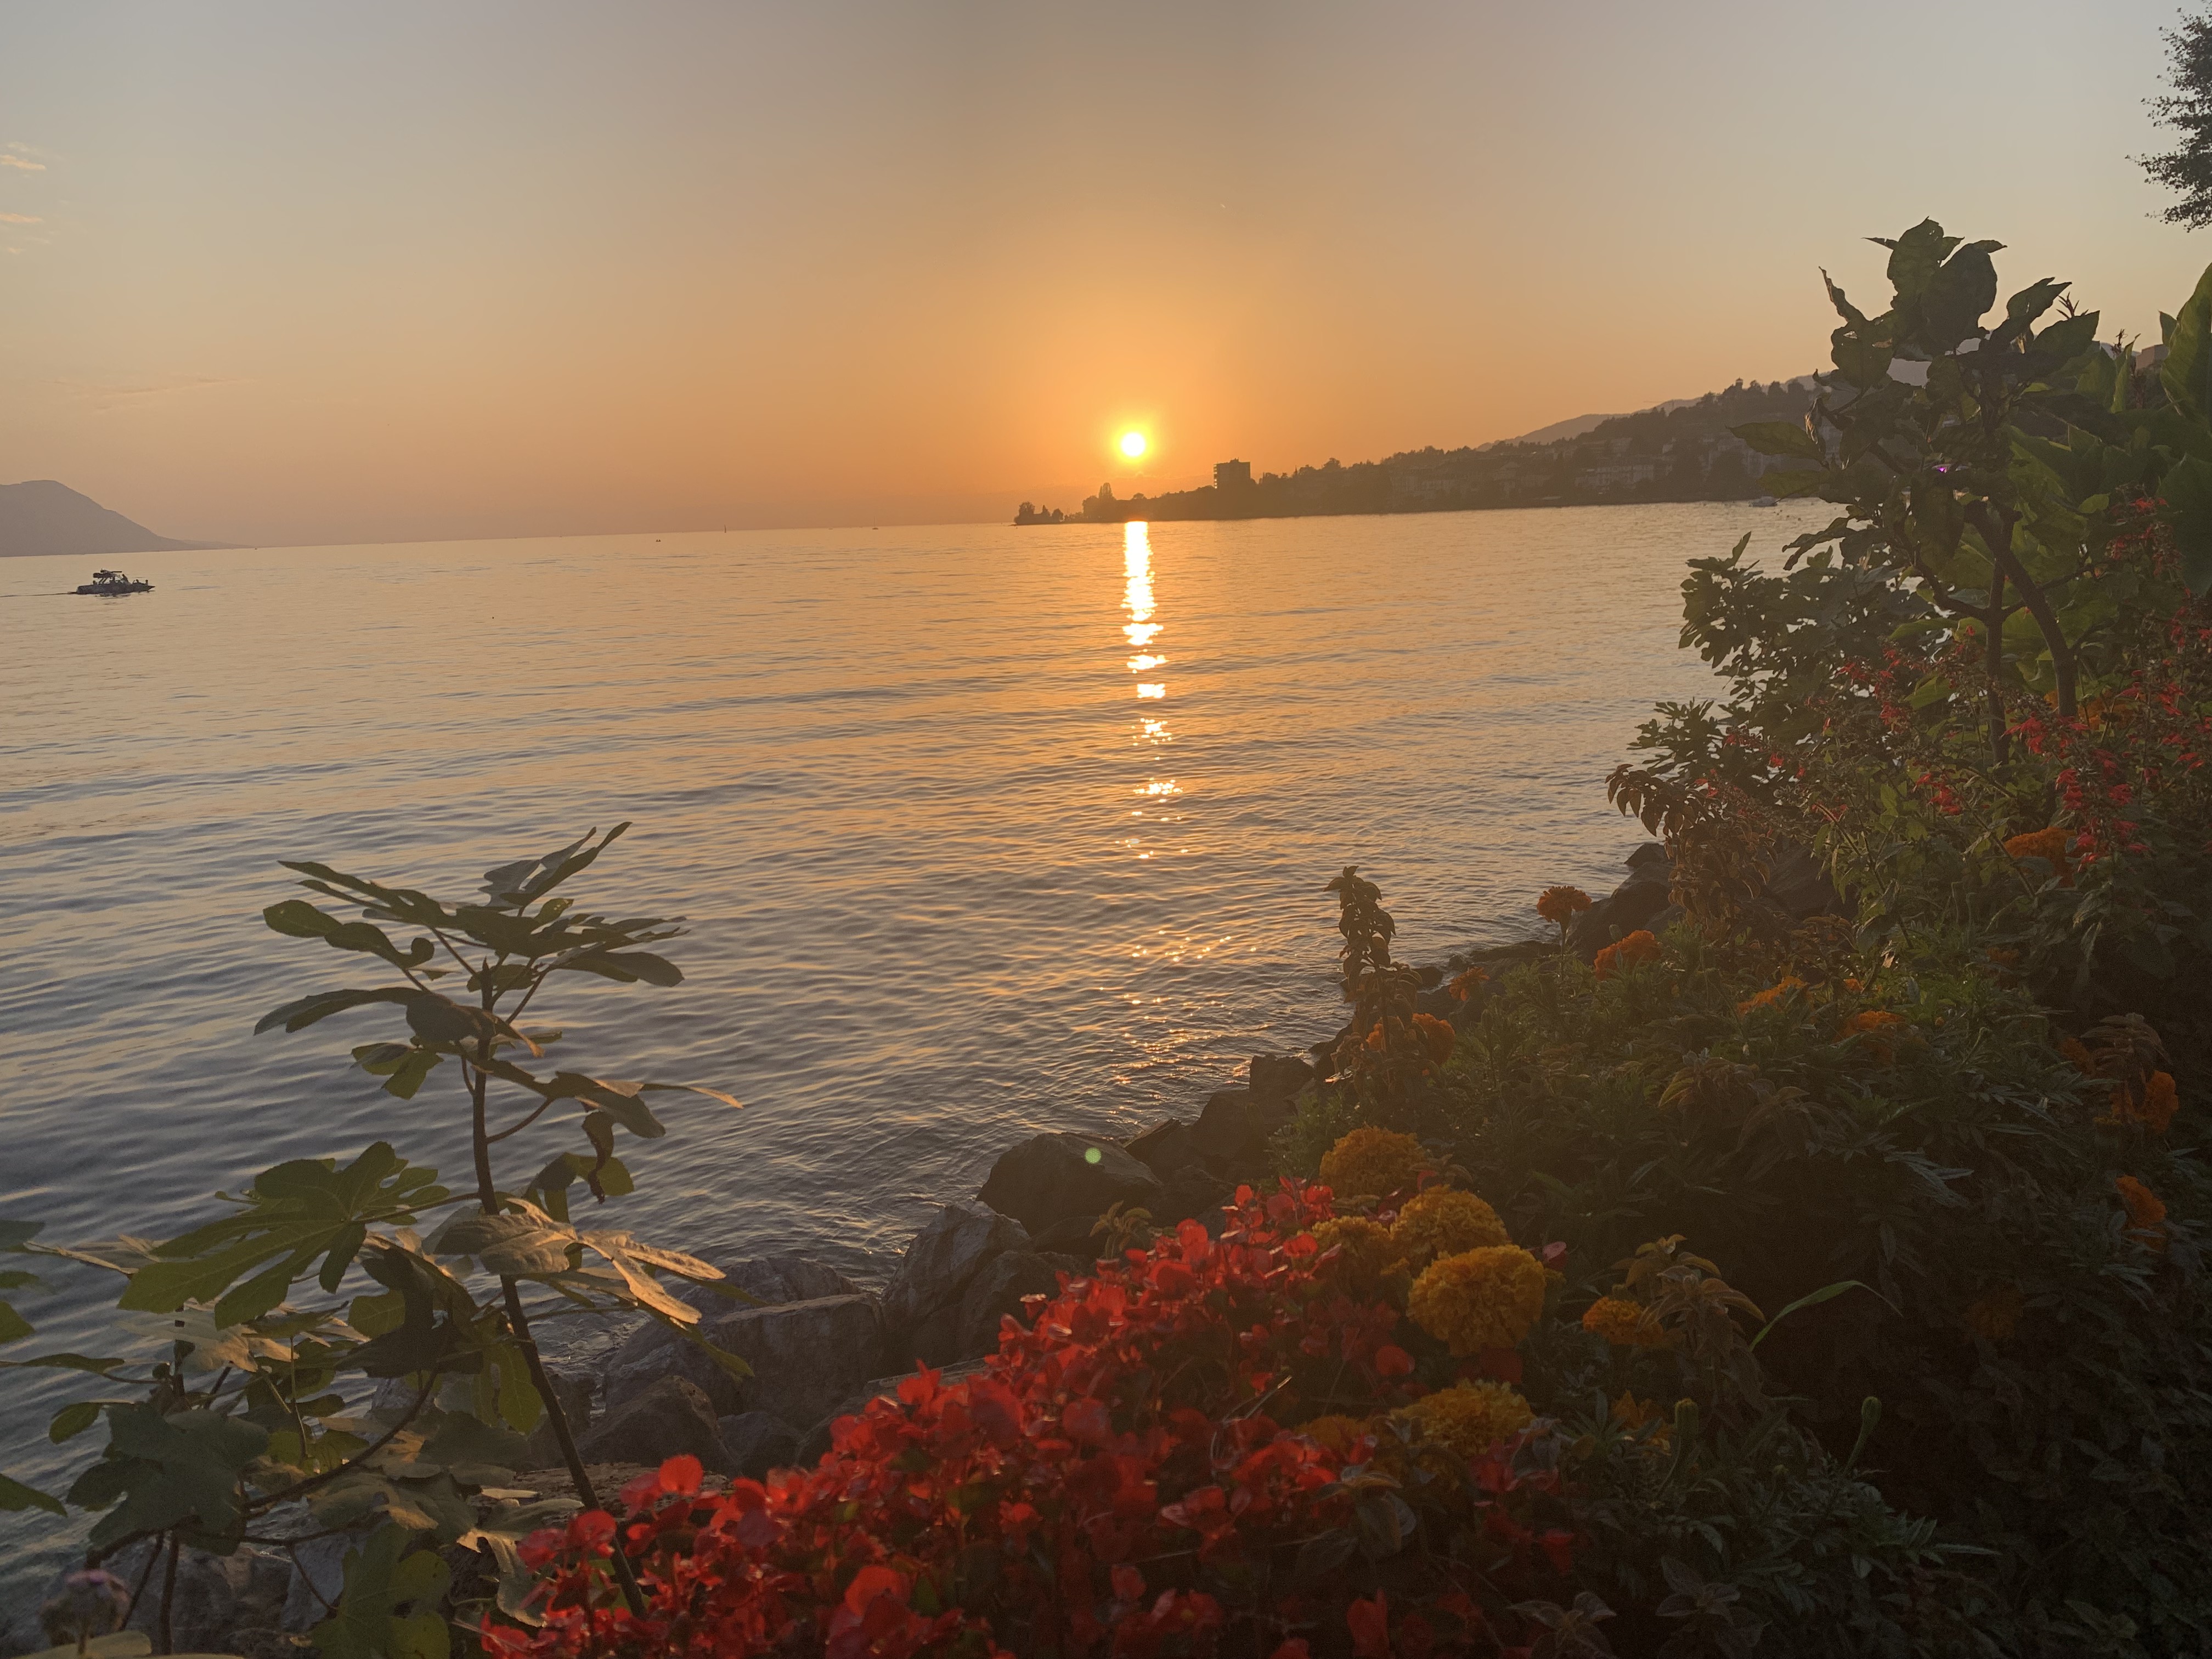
pixel 43 517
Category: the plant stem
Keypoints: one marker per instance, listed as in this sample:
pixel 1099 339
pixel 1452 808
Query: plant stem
pixel 1996 525
pixel 1995 662
pixel 488 1196
pixel 169 1600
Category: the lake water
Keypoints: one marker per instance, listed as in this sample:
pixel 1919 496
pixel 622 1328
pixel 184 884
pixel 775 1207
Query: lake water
pixel 980 831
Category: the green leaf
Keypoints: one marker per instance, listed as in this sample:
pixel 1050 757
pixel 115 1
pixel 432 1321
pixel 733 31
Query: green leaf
pixel 297 919
pixel 1916 256
pixel 2186 490
pixel 1826 1293
pixel 13 1234
pixel 1958 295
pixel 1784 438
pixel 295 1213
pixel 389 1607
pixel 529 879
pixel 627 967
pixel 309 1010
pixel 2186 373
pixel 72 1420
pixel 15 1495
pixel 181 1470
pixel 14 1327
pixel 1786 481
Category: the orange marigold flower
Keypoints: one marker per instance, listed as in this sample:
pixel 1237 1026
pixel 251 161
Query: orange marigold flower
pixel 1624 1323
pixel 1369 1252
pixel 1471 1418
pixel 1870 1020
pixel 1773 994
pixel 1995 1316
pixel 2049 845
pixel 2160 1101
pixel 1558 904
pixel 1463 987
pixel 1441 1222
pixel 1638 947
pixel 1437 1036
pixel 1485 1298
pixel 1632 1415
pixel 1373 1162
pixel 2146 1215
pixel 2072 1050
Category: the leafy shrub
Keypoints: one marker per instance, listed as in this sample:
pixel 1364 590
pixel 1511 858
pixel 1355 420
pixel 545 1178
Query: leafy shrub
pixel 1241 1445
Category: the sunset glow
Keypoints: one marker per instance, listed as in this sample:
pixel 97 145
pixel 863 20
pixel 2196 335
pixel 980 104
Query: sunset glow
pixel 1133 444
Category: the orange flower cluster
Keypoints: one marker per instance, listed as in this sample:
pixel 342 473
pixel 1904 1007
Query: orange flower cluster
pixel 1463 987
pixel 1996 1315
pixel 1872 1019
pixel 1373 1162
pixel 1437 1036
pixel 2152 1108
pixel 1773 994
pixel 2049 846
pixel 1638 947
pixel 2146 1214
pixel 1624 1323
pixel 1558 905
pixel 1441 1222
pixel 2073 1052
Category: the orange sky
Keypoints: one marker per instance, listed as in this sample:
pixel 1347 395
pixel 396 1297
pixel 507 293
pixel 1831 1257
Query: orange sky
pixel 274 273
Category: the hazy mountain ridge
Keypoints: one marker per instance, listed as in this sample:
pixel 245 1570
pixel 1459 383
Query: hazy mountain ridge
pixel 41 517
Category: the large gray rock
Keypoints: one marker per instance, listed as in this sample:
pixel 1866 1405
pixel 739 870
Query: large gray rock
pixel 318 1581
pixel 203 1611
pixel 574 1393
pixel 1193 1194
pixel 653 1351
pixel 1073 1238
pixel 922 1309
pixel 1279 1078
pixel 1632 906
pixel 1051 1176
pixel 1165 1148
pixel 668 1419
pixel 758 1443
pixel 1235 1127
pixel 998 1292
pixel 806 1356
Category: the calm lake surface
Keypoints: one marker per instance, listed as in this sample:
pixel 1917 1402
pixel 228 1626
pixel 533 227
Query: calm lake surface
pixel 980 831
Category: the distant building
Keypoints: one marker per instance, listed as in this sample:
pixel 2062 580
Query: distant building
pixel 1232 475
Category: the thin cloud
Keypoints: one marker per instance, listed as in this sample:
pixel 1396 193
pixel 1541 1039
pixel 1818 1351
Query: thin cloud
pixel 118 396
pixel 19 219
pixel 18 161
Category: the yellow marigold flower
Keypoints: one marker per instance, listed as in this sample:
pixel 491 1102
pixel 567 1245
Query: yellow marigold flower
pixel 2049 845
pixel 1997 1315
pixel 1370 1251
pixel 1558 904
pixel 1463 987
pixel 1373 1162
pixel 1471 1418
pixel 2146 1215
pixel 1632 1415
pixel 1441 1222
pixel 1478 1299
pixel 1624 1323
pixel 1773 994
pixel 1342 1435
pixel 1639 947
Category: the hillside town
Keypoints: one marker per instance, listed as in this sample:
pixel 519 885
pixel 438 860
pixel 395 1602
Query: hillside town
pixel 1679 451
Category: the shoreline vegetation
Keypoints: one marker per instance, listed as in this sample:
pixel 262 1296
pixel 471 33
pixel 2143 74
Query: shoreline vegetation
pixel 1687 451
pixel 1799 1250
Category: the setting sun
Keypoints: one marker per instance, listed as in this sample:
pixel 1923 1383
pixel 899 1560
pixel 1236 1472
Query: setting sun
pixel 1133 444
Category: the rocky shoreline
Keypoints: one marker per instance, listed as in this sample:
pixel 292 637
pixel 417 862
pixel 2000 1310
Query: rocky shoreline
pixel 819 1347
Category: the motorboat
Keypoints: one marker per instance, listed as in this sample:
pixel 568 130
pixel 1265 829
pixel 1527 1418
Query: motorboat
pixel 111 582
pixel 1765 501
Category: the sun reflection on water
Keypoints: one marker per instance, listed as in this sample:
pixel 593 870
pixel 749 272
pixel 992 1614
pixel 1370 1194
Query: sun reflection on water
pixel 1140 630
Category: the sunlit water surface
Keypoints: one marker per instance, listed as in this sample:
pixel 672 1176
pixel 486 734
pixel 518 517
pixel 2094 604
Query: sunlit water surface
pixel 980 831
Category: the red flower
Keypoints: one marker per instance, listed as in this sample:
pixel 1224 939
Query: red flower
pixel 1369 1623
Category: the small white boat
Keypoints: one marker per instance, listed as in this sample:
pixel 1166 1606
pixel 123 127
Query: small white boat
pixel 1765 501
pixel 112 582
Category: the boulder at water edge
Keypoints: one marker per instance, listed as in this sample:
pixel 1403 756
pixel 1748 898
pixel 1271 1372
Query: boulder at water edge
pixel 670 1419
pixel 1050 1177
pixel 654 1351
pixel 996 1293
pixel 1279 1079
pixel 758 1443
pixel 806 1356
pixel 922 1309
pixel 1633 905
pixel 1165 1148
